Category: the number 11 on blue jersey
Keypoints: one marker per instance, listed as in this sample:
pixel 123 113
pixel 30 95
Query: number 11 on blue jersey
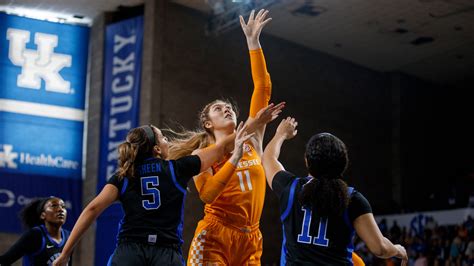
pixel 305 237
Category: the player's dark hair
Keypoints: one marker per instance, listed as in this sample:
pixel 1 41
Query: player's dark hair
pixel 30 215
pixel 326 159
pixel 137 147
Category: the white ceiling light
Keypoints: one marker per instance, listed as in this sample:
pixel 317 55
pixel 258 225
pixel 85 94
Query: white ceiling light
pixel 47 15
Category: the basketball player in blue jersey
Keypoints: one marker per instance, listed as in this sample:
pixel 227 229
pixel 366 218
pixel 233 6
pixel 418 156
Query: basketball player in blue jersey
pixel 320 213
pixel 151 191
pixel 45 239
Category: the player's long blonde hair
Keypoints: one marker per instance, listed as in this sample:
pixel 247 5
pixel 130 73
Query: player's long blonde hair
pixel 185 142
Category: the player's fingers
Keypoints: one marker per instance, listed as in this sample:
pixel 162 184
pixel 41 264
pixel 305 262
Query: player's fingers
pixel 247 137
pixel 251 17
pixel 266 22
pixel 242 22
pixel 264 14
pixel 259 14
pixel 239 127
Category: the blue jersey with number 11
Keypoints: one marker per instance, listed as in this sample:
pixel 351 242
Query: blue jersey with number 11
pixel 309 238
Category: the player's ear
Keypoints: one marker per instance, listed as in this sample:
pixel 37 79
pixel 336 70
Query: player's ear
pixel 208 124
pixel 157 151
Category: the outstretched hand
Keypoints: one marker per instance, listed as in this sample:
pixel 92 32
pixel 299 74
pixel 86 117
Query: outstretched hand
pixel 269 113
pixel 254 26
pixel 287 128
pixel 402 254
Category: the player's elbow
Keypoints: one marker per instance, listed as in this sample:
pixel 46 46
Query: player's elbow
pixel 94 209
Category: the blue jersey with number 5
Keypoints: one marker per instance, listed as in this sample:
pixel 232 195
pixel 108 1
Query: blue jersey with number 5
pixel 153 201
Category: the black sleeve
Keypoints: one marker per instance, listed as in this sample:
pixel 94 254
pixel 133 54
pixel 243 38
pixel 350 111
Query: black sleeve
pixel 186 168
pixel 28 243
pixel 114 180
pixel 280 181
pixel 358 206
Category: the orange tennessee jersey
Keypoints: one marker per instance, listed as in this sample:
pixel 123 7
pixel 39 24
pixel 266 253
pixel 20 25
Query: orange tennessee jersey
pixel 241 202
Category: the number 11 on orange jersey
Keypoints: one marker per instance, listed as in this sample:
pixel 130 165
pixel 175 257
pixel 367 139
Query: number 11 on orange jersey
pixel 247 178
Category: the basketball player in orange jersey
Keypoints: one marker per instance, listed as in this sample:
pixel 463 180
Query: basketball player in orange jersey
pixel 233 189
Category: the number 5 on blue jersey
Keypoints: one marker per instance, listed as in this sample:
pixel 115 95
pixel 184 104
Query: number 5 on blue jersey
pixel 149 187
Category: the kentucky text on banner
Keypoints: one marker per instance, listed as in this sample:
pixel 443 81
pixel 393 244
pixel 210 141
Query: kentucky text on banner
pixel 120 112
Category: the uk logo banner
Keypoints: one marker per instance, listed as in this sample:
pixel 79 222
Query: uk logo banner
pixel 42 101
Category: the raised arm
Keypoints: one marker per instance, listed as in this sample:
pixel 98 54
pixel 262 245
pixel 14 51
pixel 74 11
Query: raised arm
pixel 261 79
pixel 380 246
pixel 107 196
pixel 211 186
pixel 286 130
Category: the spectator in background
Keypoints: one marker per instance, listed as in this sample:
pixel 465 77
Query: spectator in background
pixel 470 251
pixel 422 260
pixel 395 232
pixel 436 252
pixel 383 227
pixel 462 232
pixel 441 245
pixel 455 252
pixel 445 249
pixel 469 224
pixel 430 223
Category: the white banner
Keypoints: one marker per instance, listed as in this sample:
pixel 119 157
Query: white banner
pixel 415 220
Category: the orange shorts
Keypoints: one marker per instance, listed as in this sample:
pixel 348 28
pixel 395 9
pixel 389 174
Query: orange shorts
pixel 357 260
pixel 218 243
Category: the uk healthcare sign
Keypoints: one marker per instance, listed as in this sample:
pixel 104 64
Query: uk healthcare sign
pixel 42 96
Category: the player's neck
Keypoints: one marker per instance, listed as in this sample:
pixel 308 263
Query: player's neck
pixel 222 133
pixel 54 231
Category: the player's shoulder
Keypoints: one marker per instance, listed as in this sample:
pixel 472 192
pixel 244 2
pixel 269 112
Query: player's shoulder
pixel 36 231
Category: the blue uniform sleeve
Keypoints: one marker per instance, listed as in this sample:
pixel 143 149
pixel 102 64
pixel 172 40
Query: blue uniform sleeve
pixel 29 243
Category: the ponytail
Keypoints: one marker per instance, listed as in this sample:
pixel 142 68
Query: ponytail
pixel 326 196
pixel 137 147
pixel 127 155
pixel 327 160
